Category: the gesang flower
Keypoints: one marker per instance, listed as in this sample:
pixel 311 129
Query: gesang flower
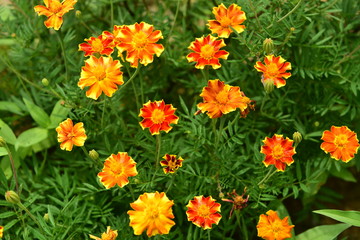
pixel 101 44
pixel 158 116
pixel 54 11
pixel 117 169
pixel 101 75
pixel 227 19
pixel 139 41
pixel 153 213
pixel 171 162
pixel 278 151
pixel 108 235
pixel 238 201
pixel 340 142
pixel 207 52
pixel 271 227
pixel 220 98
pixel 203 212
pixel 274 69
pixel 69 135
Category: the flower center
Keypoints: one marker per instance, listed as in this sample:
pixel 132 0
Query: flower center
pixel 55 7
pixel 207 51
pixel 152 212
pixel 99 72
pixel 341 140
pixel 272 69
pixel 158 116
pixel 204 211
pixel 117 169
pixel 97 45
pixel 222 97
pixel 70 135
pixel 140 40
pixel 225 21
pixel 172 164
pixel 277 227
pixel 277 152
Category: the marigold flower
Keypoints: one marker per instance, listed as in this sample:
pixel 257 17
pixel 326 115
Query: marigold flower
pixel 158 116
pixel 278 151
pixel 153 213
pixel 271 227
pixel 108 235
pixel 117 34
pixel 1 231
pixel 238 201
pixel 117 169
pixel 275 68
pixel 101 44
pixel 54 10
pixel 207 52
pixel 227 19
pixel 172 164
pixel 101 75
pixel 340 142
pixel 203 211
pixel 69 135
pixel 220 98
pixel 139 40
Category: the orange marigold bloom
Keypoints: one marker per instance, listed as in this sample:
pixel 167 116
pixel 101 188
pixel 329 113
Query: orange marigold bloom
pixel 220 98
pixel 108 235
pixel 278 151
pixel 69 135
pixel 203 211
pixel 1 231
pixel 271 227
pixel 171 162
pixel 340 142
pixel 139 40
pixel 102 44
pixel 117 34
pixel 275 69
pixel 158 116
pixel 227 19
pixel 54 10
pixel 153 213
pixel 207 52
pixel 117 169
pixel 101 75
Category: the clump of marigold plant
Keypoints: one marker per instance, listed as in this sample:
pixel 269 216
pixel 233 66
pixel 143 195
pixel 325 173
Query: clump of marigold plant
pixel 207 52
pixel 227 20
pixel 117 169
pixel 203 212
pixel 70 134
pixel 278 151
pixel 220 98
pixel 340 142
pixel 153 213
pixel 274 70
pixel 158 116
pixel 271 227
pixel 108 235
pixel 54 11
pixel 171 163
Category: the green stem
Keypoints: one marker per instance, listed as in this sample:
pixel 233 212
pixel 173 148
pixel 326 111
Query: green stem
pixel 219 133
pixel 157 155
pixel 205 73
pixel 103 114
pixel 132 77
pixel 131 192
pixel 63 53
pixel 271 172
pixel 175 17
pixel 209 235
pixel 171 182
pixel 265 98
pixel 13 168
pixel 136 95
pixel 111 14
pixel 21 206
pixel 292 10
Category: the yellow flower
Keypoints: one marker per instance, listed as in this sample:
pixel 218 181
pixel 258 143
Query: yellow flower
pixel 108 235
pixel 69 135
pixel 271 227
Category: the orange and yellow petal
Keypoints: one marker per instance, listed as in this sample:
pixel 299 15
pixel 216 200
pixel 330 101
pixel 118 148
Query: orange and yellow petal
pixel 1 231
pixel 69 135
pixel 117 169
pixel 108 235
pixel 101 44
pixel 203 211
pixel 152 213
pixel 271 227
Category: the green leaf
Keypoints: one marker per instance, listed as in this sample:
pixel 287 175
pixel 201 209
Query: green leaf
pixel 7 133
pixel 3 151
pixel 349 217
pixel 10 107
pixel 31 137
pixel 343 174
pixel 39 115
pixel 324 232
pixel 58 114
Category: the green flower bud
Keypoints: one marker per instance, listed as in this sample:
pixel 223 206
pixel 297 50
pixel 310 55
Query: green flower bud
pixel 268 85
pixel 46 217
pixel 268 46
pixel 93 155
pixel 78 13
pixel 45 82
pixel 297 137
pixel 12 197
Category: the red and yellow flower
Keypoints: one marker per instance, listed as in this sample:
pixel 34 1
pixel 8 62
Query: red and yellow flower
pixel 108 235
pixel 101 75
pixel 158 116
pixel 54 11
pixel 69 135
pixel 340 142
pixel 1 231
pixel 220 98
pixel 139 41
pixel 153 213
pixel 171 162
pixel 271 227
pixel 101 44
pixel 203 211
pixel 227 20
pixel 278 151
pixel 207 52
pixel 117 169
pixel 274 69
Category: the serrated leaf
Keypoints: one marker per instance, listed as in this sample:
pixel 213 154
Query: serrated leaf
pixel 324 232
pixel 39 115
pixel 349 217
pixel 30 137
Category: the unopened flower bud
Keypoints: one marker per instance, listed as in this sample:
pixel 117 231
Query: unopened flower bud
pixel 45 82
pixel 78 13
pixel 268 46
pixel 46 217
pixel 12 197
pixel 221 195
pixel 2 142
pixel 93 154
pixel 268 85
pixel 292 29
pixel 297 137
